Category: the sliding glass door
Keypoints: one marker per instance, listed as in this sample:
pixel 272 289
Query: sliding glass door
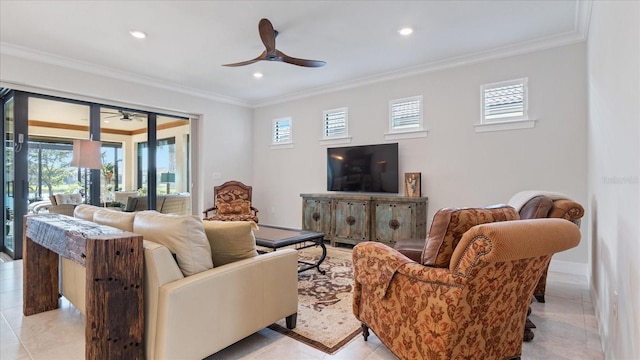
pixel 140 150
pixel 8 240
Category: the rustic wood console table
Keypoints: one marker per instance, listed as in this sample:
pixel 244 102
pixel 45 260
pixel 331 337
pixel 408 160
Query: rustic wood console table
pixel 114 315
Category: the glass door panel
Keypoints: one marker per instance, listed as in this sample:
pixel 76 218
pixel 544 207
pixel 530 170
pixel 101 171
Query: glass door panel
pixel 9 177
pixel 120 132
pixel 53 125
pixel 172 157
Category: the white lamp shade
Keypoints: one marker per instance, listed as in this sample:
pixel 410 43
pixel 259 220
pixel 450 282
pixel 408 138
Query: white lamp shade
pixel 86 154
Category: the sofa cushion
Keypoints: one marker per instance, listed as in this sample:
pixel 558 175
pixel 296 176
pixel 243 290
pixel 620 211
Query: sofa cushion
pixel 537 207
pixel 114 218
pixel 230 241
pixel 183 234
pixel 85 211
pixel 449 225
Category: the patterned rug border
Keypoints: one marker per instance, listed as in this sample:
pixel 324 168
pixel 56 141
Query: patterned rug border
pixel 330 350
pixel 315 344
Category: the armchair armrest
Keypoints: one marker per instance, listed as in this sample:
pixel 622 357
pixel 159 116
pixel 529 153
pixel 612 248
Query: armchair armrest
pixel 206 211
pixel 568 210
pixel 375 264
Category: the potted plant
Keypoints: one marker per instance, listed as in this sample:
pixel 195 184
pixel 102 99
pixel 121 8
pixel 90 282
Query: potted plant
pixel 117 204
pixel 107 171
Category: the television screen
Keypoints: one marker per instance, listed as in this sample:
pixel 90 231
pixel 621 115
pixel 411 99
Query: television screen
pixel 367 168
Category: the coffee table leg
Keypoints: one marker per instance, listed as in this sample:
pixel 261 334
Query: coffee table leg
pixel 317 263
pixel 322 257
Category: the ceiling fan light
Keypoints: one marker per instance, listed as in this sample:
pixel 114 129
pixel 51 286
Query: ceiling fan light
pixel 138 34
pixel 406 31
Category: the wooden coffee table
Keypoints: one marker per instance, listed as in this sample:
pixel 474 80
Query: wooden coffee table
pixel 275 237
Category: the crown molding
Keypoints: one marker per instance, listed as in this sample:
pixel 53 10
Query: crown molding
pixel 578 34
pixel 554 41
pixel 65 62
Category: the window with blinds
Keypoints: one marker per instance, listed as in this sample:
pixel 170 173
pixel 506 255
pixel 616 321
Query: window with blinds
pixel 335 123
pixel 282 131
pixel 406 114
pixel 504 101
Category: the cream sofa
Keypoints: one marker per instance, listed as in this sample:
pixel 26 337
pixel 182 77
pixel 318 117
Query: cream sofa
pixel 193 316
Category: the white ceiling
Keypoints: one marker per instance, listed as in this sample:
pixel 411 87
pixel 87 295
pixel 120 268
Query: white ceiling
pixel 189 40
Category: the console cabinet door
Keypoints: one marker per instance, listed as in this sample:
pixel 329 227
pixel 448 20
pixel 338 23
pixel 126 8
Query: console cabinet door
pixel 316 215
pixel 393 221
pixel 351 221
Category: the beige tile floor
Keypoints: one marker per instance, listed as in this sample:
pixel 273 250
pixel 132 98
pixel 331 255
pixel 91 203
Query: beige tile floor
pixel 567 329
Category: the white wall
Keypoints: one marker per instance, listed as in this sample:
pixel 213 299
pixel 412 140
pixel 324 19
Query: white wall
pixel 459 166
pixel 614 173
pixel 223 132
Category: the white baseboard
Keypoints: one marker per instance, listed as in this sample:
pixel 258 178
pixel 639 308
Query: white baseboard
pixel 569 267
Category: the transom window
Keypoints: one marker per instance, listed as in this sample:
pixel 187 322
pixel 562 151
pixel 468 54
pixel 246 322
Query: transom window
pixel 405 115
pixel 335 123
pixel 504 101
pixel 282 131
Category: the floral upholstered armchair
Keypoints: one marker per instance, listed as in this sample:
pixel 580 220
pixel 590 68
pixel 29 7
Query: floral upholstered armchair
pixel 534 204
pixel 232 203
pixel 473 308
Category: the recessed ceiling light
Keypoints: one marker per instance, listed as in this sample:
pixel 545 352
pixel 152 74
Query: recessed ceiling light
pixel 138 34
pixel 257 75
pixel 405 31
pixel 106 121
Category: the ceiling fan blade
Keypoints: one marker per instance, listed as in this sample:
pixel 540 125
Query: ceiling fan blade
pixel 300 62
pixel 262 56
pixel 268 35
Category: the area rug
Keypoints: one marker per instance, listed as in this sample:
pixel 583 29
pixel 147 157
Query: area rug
pixel 325 317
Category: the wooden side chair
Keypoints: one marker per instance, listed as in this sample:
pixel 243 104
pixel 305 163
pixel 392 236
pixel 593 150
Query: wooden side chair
pixel 232 203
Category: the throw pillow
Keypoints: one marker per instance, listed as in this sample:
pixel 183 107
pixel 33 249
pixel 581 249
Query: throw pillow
pixel 117 219
pixel 183 235
pixel 230 241
pixel 449 225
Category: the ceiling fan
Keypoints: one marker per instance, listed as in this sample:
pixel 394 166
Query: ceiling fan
pixel 268 36
pixel 124 115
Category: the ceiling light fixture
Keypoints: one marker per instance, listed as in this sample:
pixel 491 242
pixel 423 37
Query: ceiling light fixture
pixel 138 34
pixel 405 31
pixel 257 75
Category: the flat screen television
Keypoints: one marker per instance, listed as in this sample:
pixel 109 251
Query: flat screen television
pixel 367 168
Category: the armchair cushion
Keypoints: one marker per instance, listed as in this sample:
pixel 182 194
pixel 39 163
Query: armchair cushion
pixel 183 234
pixel 237 206
pixel 230 241
pixel 62 199
pixel 537 207
pixel 450 223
